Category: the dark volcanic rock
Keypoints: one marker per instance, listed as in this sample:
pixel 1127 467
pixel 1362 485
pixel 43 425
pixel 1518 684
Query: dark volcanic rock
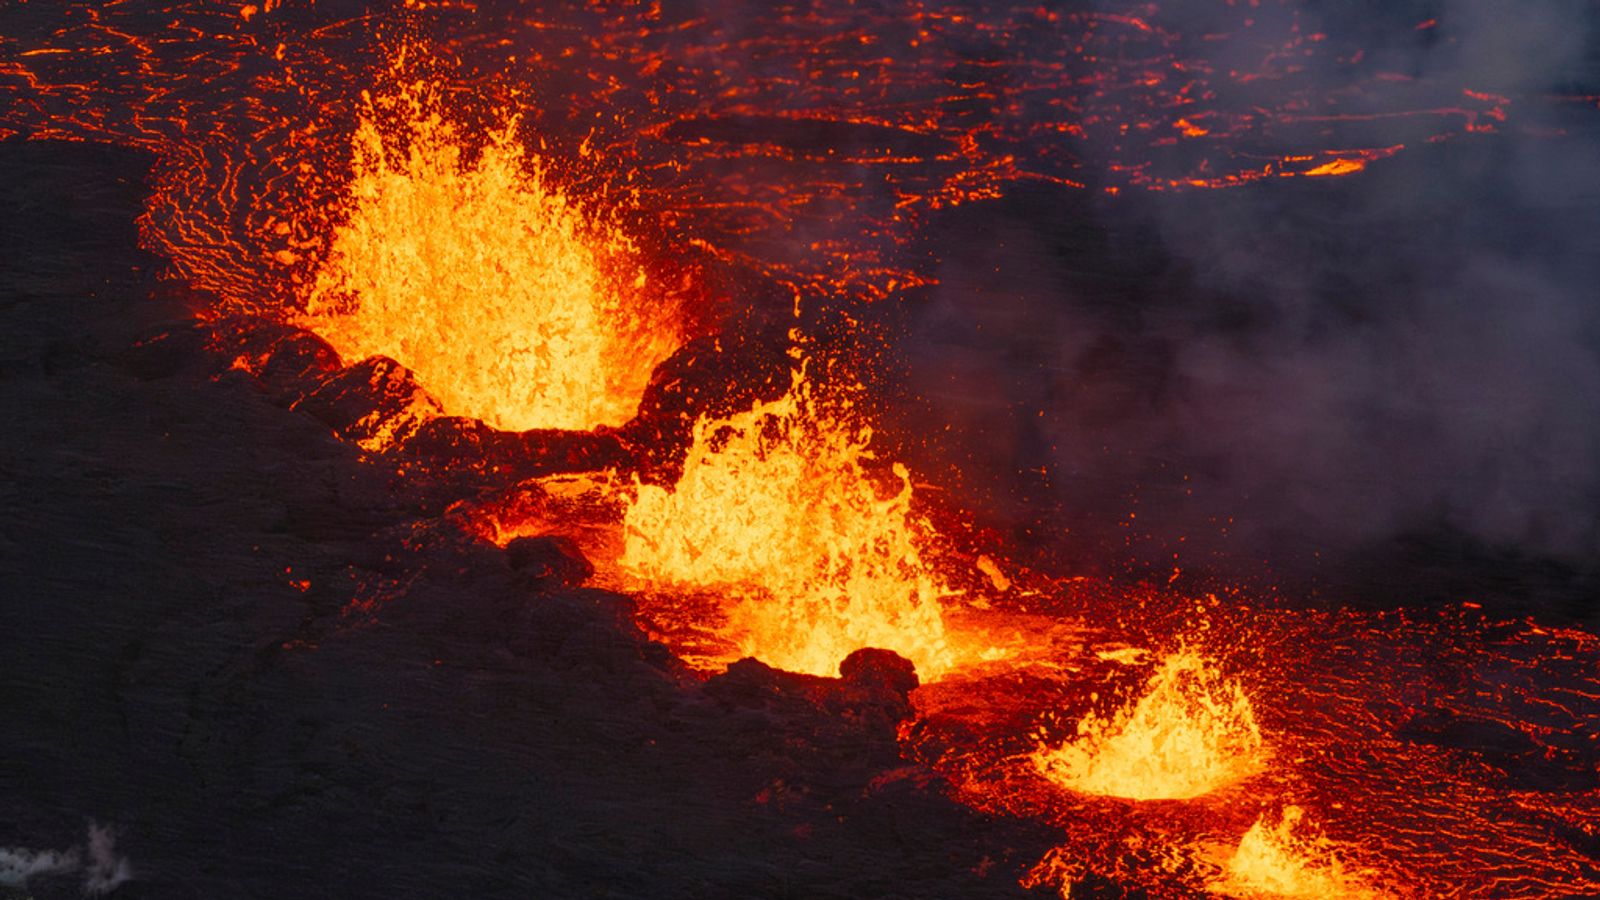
pixel 549 561
pixel 863 711
pixel 456 441
pixel 870 668
pixel 174 347
pixel 710 376
pixel 360 400
pixel 297 363
pixel 287 362
pixel 884 678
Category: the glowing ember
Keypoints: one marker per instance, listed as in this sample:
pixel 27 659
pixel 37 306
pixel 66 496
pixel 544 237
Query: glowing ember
pixel 1290 859
pixel 1190 733
pixel 511 302
pixel 776 504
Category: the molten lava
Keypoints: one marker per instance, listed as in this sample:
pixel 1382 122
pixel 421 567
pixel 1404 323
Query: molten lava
pixel 1289 859
pixel 511 302
pixel 1464 749
pixel 1191 732
pixel 784 506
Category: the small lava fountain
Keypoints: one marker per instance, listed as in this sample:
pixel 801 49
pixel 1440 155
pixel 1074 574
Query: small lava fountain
pixel 785 507
pixel 1191 732
pixel 1291 858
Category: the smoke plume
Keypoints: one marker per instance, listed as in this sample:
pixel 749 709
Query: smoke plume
pixel 1316 366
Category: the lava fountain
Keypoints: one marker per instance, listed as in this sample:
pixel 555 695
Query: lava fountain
pixel 1191 732
pixel 1462 748
pixel 1291 858
pixel 511 301
pixel 784 507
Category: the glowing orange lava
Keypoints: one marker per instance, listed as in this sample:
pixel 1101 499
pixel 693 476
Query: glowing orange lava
pixel 512 302
pixel 1336 167
pixel 1191 732
pixel 1291 858
pixel 1463 747
pixel 777 506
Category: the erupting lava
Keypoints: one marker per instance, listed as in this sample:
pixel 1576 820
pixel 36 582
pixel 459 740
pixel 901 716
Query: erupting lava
pixel 819 147
pixel 1190 733
pixel 1289 859
pixel 512 302
pixel 782 504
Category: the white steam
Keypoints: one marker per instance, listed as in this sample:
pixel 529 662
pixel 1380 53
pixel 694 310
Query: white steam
pixel 103 870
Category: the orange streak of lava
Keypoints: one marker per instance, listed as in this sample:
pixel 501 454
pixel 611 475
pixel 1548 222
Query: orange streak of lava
pixel 1336 167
